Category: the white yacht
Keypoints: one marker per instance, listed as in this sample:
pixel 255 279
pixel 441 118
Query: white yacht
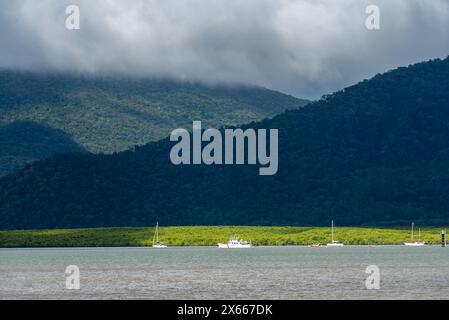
pixel 156 243
pixel 235 243
pixel 414 243
pixel 334 243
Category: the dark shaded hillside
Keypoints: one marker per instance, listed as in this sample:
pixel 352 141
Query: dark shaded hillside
pixel 107 115
pixel 22 142
pixel 376 153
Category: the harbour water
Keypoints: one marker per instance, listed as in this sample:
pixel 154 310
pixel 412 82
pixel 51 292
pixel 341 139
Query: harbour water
pixel 211 273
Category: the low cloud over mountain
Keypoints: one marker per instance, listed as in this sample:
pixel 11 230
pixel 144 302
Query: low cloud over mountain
pixel 302 47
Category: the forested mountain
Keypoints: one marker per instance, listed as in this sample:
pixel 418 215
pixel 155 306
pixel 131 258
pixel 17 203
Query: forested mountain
pixel 22 142
pixel 107 115
pixel 376 153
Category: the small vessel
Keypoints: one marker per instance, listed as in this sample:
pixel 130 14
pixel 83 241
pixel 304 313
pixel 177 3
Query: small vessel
pixel 156 243
pixel 315 245
pixel 414 243
pixel 235 243
pixel 334 243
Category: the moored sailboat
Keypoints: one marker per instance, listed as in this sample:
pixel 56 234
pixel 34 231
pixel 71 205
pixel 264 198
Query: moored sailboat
pixel 418 243
pixel 334 243
pixel 156 243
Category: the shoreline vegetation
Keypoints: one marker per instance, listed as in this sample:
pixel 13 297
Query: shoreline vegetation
pixel 211 235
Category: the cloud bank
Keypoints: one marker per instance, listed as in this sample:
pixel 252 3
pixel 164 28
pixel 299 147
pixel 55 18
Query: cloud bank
pixel 303 47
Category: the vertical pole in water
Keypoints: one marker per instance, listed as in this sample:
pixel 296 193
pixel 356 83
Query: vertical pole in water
pixel 443 238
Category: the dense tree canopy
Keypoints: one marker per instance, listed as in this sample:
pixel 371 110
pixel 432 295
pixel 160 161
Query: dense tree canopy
pixel 376 153
pixel 107 115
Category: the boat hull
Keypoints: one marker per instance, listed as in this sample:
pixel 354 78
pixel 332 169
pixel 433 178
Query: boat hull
pixel 414 244
pixel 159 246
pixel 227 246
pixel 335 245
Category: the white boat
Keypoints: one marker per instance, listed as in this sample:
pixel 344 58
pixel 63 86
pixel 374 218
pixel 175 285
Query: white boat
pixel 156 243
pixel 414 243
pixel 235 243
pixel 334 243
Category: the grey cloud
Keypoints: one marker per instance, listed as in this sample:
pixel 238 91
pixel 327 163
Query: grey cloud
pixel 303 47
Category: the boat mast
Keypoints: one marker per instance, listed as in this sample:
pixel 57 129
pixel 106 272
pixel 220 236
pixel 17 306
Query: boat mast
pixel 156 235
pixel 332 230
pixel 413 226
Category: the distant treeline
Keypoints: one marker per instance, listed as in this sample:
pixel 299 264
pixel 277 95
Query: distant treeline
pixel 209 236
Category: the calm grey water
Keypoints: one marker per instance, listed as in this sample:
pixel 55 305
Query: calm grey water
pixel 210 273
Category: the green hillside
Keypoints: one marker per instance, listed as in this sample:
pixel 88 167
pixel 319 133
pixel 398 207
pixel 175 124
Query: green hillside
pixel 106 115
pixel 376 153
pixel 22 142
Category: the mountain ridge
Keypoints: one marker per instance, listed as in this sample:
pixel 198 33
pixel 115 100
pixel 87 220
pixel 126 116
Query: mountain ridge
pixel 372 154
pixel 108 114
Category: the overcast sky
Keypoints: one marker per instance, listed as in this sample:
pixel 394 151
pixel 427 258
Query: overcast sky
pixel 303 47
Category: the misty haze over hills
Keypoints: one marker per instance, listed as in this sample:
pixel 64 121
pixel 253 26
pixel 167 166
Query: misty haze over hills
pixel 304 48
pixel 300 47
pixel 75 103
